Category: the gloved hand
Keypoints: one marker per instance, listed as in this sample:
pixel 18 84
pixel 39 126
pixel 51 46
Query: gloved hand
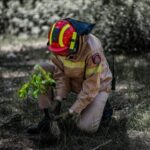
pixel 56 107
pixel 67 115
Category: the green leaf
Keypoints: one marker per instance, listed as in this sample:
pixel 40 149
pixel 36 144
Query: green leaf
pixel 38 83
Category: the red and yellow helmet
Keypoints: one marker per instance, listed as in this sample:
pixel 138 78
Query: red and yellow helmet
pixel 62 38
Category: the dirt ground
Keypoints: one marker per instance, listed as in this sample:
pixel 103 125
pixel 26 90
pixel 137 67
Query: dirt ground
pixel 129 128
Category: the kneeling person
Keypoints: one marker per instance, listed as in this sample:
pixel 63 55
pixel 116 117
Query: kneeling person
pixel 78 65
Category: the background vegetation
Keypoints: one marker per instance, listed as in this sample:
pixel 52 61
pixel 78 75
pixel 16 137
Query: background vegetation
pixel 123 26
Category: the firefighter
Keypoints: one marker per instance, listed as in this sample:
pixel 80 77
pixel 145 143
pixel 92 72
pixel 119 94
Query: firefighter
pixel 78 65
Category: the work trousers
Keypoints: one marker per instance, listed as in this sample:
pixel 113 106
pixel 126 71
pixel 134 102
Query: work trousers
pixel 90 117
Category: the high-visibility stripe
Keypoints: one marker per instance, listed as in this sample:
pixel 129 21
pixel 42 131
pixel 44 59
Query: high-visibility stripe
pixel 62 34
pixel 50 39
pixel 74 36
pixel 72 45
pixel 70 64
pixel 90 71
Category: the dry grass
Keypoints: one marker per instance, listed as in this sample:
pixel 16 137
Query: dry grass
pixel 129 130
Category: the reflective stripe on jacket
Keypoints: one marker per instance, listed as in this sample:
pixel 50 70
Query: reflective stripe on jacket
pixel 80 74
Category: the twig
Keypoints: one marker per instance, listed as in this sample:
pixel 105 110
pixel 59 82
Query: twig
pixel 105 143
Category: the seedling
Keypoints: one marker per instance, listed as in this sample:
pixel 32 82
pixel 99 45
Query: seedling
pixel 40 80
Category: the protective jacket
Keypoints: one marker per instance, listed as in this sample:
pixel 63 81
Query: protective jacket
pixel 86 72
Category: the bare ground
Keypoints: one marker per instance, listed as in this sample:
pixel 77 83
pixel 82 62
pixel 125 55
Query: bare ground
pixel 130 126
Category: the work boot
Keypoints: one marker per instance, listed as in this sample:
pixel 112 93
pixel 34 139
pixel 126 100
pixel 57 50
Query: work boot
pixel 43 126
pixel 107 114
pixel 47 130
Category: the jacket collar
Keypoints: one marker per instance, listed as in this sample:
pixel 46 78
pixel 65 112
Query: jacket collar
pixel 81 49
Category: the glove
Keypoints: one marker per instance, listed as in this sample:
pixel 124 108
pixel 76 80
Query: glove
pixel 67 115
pixel 56 107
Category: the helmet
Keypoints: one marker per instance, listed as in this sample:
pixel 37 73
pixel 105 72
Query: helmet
pixel 62 38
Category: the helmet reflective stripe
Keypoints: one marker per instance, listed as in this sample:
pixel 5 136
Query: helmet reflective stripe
pixel 74 36
pixel 50 39
pixel 62 34
pixel 73 40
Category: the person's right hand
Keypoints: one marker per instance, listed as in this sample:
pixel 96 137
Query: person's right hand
pixel 56 107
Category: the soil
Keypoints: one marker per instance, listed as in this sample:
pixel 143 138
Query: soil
pixel 16 115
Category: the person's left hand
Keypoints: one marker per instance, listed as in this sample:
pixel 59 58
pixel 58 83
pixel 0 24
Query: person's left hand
pixel 67 115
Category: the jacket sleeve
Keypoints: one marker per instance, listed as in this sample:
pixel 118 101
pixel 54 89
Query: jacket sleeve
pixel 62 82
pixel 90 86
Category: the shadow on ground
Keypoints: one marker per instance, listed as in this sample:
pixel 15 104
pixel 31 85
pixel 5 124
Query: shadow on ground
pixel 130 102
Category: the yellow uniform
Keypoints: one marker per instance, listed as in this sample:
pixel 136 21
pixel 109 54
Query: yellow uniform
pixel 85 72
pixel 78 65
